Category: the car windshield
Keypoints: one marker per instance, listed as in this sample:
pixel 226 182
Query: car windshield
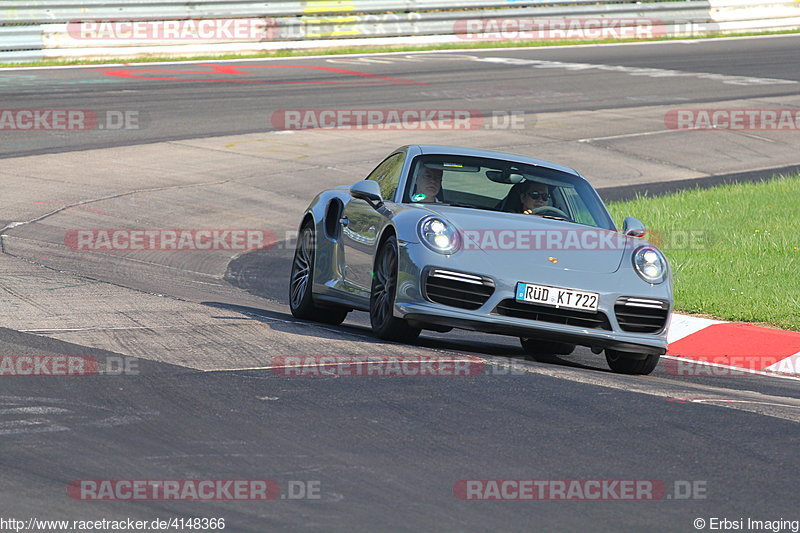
pixel 505 186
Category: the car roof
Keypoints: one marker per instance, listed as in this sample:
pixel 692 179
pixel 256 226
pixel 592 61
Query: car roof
pixel 433 149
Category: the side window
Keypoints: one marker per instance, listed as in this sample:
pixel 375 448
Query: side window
pixel 577 207
pixel 387 174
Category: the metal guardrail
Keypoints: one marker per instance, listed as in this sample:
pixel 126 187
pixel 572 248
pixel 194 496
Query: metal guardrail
pixel 48 28
pixel 20 37
pixel 49 11
pixel 21 43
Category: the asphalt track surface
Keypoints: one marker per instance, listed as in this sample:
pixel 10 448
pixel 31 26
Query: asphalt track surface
pixel 180 101
pixel 386 452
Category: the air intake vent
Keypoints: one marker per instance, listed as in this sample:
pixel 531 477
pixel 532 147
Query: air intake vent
pixel 544 313
pixel 466 291
pixel 640 315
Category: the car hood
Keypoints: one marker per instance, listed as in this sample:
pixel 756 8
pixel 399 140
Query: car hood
pixel 535 241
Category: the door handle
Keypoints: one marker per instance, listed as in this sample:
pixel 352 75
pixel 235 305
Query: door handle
pixel 344 221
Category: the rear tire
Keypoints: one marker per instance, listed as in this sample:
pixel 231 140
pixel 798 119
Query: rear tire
pixel 381 302
pixel 627 363
pixel 545 351
pixel 301 299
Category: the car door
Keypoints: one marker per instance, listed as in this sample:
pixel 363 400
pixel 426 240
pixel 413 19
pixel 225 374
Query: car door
pixel 362 225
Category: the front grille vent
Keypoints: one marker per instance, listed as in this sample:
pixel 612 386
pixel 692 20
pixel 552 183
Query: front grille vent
pixel 456 289
pixel 641 315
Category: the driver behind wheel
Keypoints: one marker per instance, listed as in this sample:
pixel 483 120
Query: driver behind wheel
pixel 533 196
pixel 429 185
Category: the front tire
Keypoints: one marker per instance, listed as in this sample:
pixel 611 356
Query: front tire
pixel 301 299
pixel 381 302
pixel 628 363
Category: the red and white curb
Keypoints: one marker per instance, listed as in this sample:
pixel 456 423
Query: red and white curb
pixel 701 346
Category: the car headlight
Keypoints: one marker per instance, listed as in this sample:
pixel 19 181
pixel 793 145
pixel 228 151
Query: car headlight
pixel 438 235
pixel 650 264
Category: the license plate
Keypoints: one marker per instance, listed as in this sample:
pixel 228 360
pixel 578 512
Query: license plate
pixel 557 297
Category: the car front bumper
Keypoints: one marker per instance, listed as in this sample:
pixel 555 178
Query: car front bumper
pixel 411 302
pixel 422 315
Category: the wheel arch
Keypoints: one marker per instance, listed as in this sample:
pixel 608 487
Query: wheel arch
pixel 308 218
pixel 388 231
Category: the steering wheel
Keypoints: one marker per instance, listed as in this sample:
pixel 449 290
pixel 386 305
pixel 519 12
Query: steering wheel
pixel 550 211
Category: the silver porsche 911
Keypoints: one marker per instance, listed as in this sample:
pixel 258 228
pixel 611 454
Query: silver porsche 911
pixel 441 237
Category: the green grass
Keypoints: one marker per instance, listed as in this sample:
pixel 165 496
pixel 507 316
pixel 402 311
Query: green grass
pixel 466 45
pixel 742 262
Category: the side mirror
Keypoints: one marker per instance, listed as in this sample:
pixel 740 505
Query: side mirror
pixel 632 227
pixel 367 190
